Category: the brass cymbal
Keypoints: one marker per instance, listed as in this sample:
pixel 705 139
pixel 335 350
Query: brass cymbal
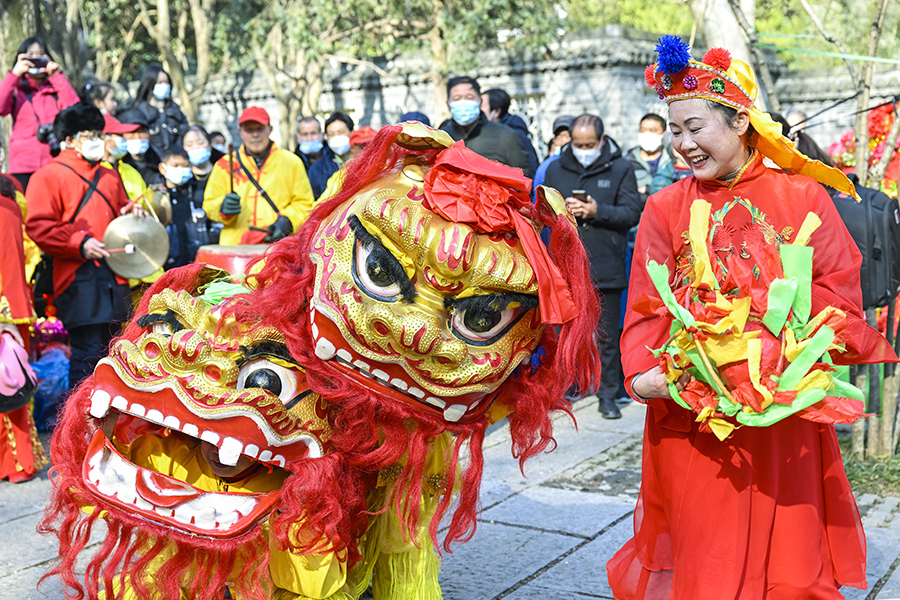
pixel 162 207
pixel 138 246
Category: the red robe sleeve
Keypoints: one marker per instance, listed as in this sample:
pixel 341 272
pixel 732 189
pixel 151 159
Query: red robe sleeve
pixel 15 295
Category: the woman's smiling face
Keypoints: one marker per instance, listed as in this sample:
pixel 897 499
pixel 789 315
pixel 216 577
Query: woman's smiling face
pixel 710 146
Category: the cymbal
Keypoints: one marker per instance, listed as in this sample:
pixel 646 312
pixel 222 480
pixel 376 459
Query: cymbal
pixel 162 206
pixel 138 246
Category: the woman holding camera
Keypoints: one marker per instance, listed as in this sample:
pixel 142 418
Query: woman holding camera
pixel 33 92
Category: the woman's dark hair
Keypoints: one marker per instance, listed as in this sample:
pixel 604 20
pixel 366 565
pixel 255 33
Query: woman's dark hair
pixel 95 90
pixel 728 115
pixel 498 100
pixel 148 80
pixel 810 148
pixel 23 48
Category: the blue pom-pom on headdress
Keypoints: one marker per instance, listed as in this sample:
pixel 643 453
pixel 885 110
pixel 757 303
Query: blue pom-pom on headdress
pixel 674 54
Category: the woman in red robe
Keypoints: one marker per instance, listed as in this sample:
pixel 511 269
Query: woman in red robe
pixel 21 452
pixel 768 512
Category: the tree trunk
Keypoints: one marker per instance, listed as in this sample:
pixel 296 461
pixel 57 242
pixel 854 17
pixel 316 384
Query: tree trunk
pixel 720 27
pixel 860 127
pixel 438 72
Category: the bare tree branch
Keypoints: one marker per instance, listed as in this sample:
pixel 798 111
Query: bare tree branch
pixel 760 58
pixel 828 37
pixel 860 127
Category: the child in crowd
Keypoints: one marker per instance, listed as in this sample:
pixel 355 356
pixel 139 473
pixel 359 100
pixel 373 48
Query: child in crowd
pixel 188 229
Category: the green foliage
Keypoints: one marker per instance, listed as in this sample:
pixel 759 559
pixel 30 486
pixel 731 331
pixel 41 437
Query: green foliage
pixel 657 16
pixel 879 476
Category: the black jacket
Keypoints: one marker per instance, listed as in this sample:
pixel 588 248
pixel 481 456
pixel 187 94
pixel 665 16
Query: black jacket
pixel 491 140
pixel 611 182
pixel 322 170
pixel 516 123
pixel 166 124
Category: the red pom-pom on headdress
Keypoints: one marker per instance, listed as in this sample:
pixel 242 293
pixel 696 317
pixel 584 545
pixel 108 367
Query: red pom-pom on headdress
pixel 720 58
pixel 650 76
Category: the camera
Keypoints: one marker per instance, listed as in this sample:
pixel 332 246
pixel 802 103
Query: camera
pixel 39 62
pixel 45 135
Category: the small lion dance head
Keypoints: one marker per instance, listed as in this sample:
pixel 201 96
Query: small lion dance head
pixel 428 298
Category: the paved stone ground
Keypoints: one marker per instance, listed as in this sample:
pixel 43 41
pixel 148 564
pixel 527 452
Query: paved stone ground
pixel 545 535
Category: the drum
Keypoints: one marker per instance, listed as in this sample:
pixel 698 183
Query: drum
pixel 234 259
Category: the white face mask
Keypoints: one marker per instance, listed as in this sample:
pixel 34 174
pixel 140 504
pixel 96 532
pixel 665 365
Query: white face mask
pixel 339 144
pixel 93 149
pixel 178 175
pixel 586 157
pixel 650 142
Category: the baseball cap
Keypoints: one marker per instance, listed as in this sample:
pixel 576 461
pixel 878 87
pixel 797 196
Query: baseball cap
pixel 257 114
pixel 113 125
pixel 564 122
pixel 415 116
pixel 363 135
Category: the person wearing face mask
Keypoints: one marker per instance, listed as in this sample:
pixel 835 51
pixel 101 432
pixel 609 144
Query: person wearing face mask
pixel 188 229
pixel 33 93
pixel 71 202
pixel 334 154
pixel 600 189
pixel 165 121
pixel 267 196
pixel 141 154
pixel 649 157
pixel 470 125
pixel 310 142
pixel 561 137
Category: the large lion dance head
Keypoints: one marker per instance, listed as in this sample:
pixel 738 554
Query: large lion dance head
pixel 427 299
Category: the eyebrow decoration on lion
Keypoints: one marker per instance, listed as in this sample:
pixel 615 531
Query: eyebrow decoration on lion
pixel 304 434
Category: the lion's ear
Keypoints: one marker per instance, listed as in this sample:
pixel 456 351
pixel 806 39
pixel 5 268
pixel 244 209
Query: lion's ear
pixel 418 136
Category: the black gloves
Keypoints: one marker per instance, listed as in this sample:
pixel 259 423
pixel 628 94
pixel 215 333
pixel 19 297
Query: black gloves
pixel 281 228
pixel 231 205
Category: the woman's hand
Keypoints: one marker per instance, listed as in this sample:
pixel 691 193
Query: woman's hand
pixel 51 68
pixel 22 65
pixel 652 383
pixel 93 249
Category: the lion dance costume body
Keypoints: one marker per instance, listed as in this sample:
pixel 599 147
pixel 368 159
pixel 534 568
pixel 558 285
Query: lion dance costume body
pixel 301 434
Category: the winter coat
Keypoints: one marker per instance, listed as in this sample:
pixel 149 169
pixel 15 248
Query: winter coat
pixel 610 181
pixel 322 170
pixel 26 153
pixel 53 196
pixel 283 178
pixel 166 124
pixel 491 140
pixel 516 123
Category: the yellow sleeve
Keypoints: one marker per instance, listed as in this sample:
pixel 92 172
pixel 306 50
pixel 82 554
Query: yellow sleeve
pixel 333 186
pixel 301 196
pixel 216 188
pixel 309 575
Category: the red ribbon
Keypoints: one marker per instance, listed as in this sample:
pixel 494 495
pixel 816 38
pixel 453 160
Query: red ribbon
pixel 464 187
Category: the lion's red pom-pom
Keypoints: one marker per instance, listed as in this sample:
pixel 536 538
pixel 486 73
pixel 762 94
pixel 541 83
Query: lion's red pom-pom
pixel 650 76
pixel 720 58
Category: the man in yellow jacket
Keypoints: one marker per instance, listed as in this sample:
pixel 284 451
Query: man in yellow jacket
pixel 271 195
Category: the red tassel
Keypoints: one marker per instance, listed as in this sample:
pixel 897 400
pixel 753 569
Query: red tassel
pixel 719 58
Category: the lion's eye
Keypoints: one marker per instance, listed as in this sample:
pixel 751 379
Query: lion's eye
pixel 264 374
pixel 482 324
pixel 373 275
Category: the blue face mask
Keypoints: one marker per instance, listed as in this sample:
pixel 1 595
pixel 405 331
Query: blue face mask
pixel 198 156
pixel 161 91
pixel 121 148
pixel 311 147
pixel 137 147
pixel 465 112
pixel 178 175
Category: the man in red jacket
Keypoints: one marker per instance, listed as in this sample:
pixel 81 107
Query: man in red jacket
pixel 90 299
